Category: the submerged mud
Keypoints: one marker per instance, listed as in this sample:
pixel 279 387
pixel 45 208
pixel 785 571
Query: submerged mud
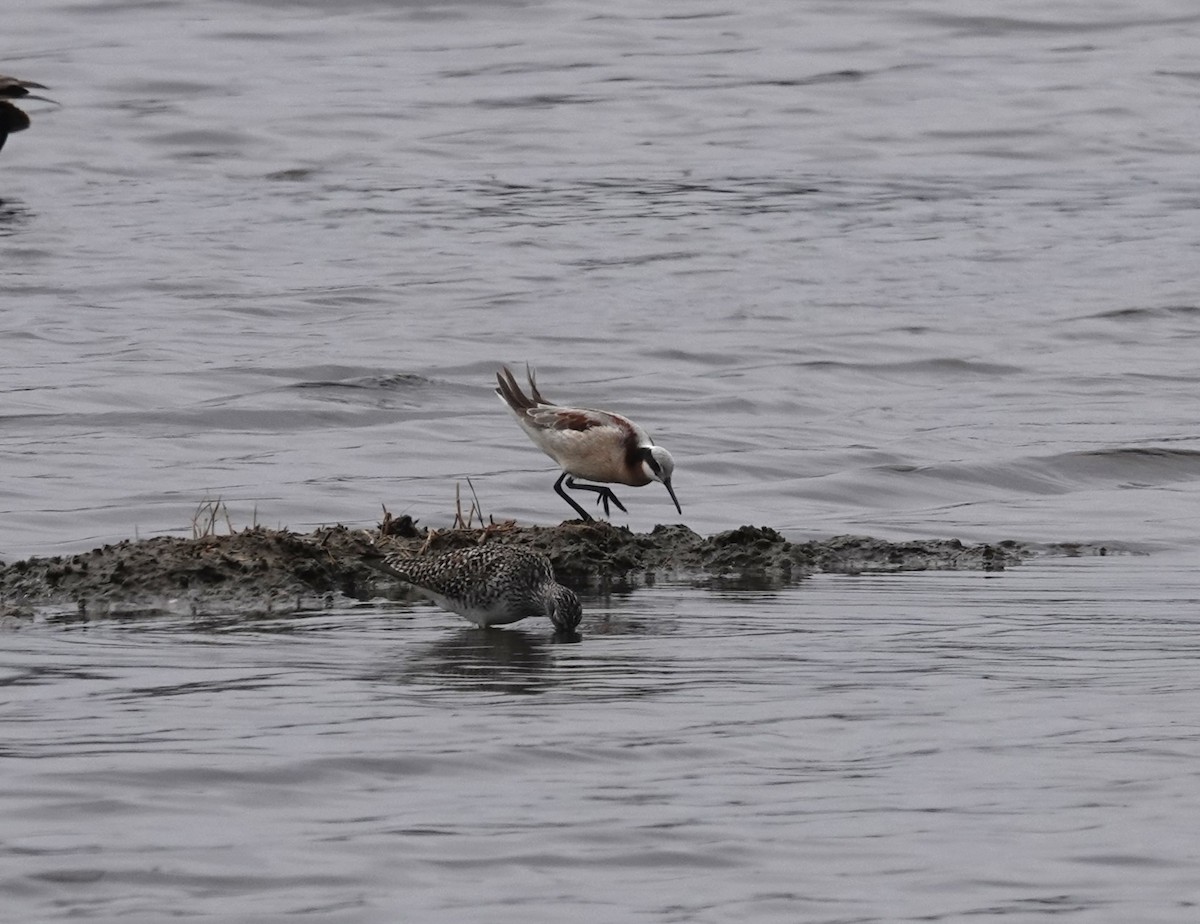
pixel 270 570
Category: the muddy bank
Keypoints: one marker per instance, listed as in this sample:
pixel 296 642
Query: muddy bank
pixel 277 570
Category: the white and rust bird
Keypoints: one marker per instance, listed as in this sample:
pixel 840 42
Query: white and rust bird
pixel 13 119
pixel 590 444
pixel 489 585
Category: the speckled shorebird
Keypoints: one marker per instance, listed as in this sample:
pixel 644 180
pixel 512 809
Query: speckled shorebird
pixel 13 119
pixel 490 585
pixel 596 445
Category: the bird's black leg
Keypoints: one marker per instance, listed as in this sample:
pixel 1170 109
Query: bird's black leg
pixel 583 514
pixel 604 494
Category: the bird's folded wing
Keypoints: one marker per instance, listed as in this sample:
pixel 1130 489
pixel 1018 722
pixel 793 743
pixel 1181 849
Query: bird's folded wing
pixel 392 565
pixel 551 417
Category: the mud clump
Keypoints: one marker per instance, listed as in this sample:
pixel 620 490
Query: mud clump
pixel 268 570
pixel 260 569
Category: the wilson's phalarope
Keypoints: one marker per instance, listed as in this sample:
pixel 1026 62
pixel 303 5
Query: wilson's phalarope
pixel 489 585
pixel 596 445
pixel 13 119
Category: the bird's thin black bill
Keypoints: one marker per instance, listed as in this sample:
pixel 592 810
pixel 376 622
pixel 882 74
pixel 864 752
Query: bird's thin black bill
pixel 671 491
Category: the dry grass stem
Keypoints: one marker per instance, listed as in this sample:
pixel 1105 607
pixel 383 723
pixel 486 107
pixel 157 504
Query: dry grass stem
pixel 208 513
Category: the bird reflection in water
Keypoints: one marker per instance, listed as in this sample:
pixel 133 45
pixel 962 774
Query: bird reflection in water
pixel 498 661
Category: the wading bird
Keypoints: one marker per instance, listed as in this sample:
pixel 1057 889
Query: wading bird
pixel 594 445
pixel 489 585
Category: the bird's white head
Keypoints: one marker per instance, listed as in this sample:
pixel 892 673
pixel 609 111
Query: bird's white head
pixel 657 465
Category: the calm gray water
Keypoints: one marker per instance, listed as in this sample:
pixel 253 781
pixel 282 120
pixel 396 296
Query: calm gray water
pixel 879 748
pixel 880 267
